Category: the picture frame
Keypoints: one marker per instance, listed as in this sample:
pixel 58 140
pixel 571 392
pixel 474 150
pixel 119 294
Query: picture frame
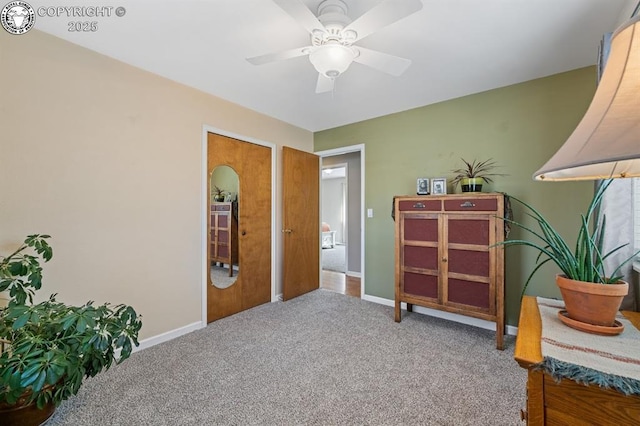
pixel 422 186
pixel 438 186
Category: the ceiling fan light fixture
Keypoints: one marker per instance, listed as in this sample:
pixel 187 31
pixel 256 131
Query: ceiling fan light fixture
pixel 331 60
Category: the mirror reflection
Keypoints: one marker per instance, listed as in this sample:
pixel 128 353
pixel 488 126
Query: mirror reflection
pixel 223 249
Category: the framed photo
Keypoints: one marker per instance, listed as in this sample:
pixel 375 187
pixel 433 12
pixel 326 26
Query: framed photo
pixel 438 186
pixel 422 186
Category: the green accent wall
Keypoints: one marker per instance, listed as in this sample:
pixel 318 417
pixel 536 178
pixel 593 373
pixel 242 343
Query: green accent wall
pixel 519 126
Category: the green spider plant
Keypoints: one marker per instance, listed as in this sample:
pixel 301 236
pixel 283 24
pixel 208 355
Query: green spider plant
pixel 585 260
pixel 476 169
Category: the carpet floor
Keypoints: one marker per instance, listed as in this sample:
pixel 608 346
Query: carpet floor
pixel 320 359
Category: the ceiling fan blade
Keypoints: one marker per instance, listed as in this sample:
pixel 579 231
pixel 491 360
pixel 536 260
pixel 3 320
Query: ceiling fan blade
pixel 279 56
pixel 385 13
pixel 390 64
pixel 301 13
pixel 325 84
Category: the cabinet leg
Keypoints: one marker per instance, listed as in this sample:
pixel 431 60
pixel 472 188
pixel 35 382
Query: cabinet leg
pixel 409 307
pixel 500 334
pixel 397 312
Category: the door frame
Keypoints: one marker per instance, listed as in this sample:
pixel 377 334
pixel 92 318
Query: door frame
pixel 204 208
pixel 346 150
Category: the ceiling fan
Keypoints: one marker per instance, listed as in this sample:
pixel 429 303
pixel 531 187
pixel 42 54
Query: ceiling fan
pixel 333 35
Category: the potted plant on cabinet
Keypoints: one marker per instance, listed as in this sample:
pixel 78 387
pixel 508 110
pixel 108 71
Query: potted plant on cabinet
pixel 218 194
pixel 49 348
pixel 474 174
pixel 592 296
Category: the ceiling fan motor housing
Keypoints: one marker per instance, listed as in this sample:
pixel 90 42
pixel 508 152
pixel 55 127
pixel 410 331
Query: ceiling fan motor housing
pixel 333 15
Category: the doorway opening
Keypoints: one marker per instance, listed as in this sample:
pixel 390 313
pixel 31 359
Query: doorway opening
pixel 342 207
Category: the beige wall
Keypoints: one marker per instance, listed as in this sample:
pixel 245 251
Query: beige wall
pixel 107 159
pixel 519 126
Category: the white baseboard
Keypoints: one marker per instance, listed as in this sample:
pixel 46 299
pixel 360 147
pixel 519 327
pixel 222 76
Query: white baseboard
pixel 354 274
pixel 463 319
pixel 169 335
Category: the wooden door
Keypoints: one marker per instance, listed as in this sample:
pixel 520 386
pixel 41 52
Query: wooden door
pixel 252 163
pixel 300 222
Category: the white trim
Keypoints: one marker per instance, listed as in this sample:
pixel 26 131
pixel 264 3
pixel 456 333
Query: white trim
pixel 169 335
pixel 463 319
pixel 353 274
pixel 206 129
pixel 346 150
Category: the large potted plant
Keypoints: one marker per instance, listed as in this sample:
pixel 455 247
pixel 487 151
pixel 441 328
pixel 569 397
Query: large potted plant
pixel 474 174
pixel 592 295
pixel 49 348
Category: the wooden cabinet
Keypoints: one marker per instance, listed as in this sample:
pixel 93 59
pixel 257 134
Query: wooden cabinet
pixel 566 402
pixel 443 255
pixel 224 234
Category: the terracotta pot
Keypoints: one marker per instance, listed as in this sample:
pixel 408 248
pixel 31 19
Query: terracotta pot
pixel 592 303
pixel 471 184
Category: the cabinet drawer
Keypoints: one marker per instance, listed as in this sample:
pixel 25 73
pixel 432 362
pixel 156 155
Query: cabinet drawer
pixel 224 208
pixel 471 204
pixel 420 205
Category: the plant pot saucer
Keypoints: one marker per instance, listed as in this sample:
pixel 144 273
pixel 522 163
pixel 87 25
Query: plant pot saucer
pixel 603 330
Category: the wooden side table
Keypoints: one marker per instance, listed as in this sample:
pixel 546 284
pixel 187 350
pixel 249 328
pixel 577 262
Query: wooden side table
pixel 566 402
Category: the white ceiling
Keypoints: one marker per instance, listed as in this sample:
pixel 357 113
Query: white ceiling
pixel 458 47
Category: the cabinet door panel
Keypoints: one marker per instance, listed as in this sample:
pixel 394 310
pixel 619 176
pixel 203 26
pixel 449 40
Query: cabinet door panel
pixel 469 293
pixel 421 285
pixel 421 257
pixel 421 229
pixel 223 252
pixel 469 262
pixel 469 231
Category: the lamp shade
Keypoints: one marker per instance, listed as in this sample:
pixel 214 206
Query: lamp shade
pixel 331 60
pixel 606 143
